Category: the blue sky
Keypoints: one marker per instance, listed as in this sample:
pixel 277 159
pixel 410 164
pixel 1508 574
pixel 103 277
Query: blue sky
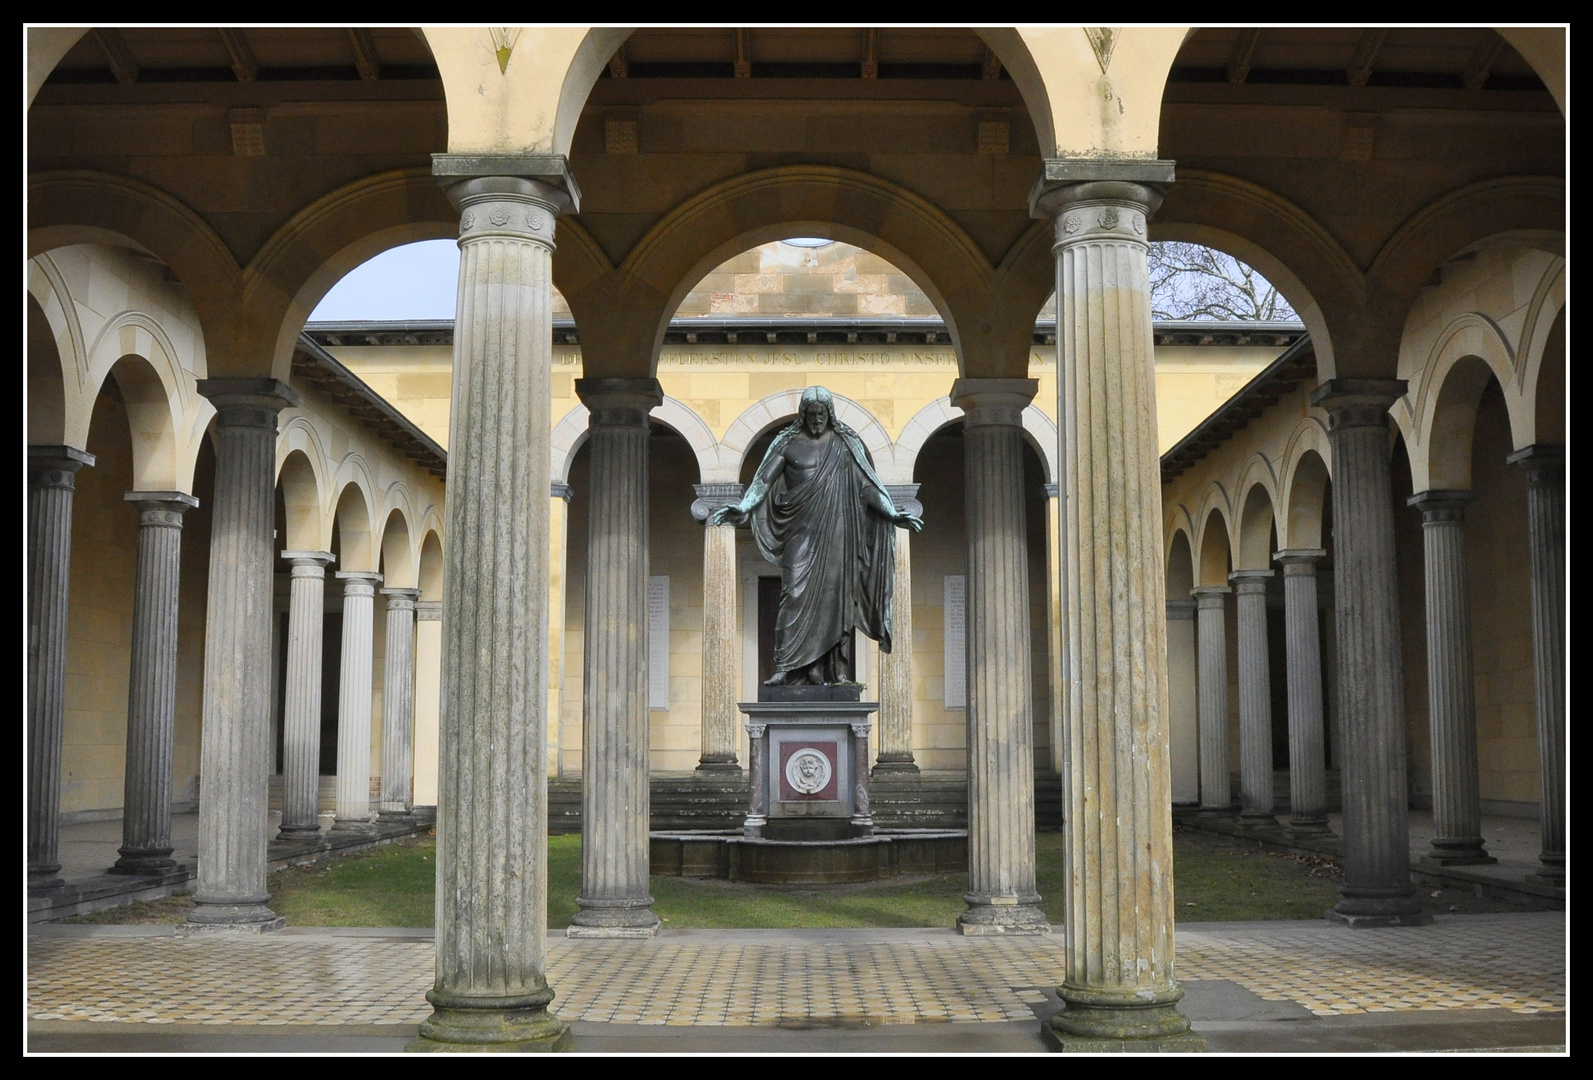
pixel 416 281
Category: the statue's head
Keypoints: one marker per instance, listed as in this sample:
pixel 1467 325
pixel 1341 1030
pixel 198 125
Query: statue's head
pixel 817 410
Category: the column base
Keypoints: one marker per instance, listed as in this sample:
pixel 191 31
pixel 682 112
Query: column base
pixel 1307 828
pixel 395 817
pixel 719 766
pixel 1458 853
pixel 895 767
pixel 153 862
pixel 628 917
pixel 1098 1023
pixel 300 834
pixel 353 825
pixel 43 880
pixel 520 1025
pixel 1369 912
pixel 1002 915
pixel 208 918
pixel 1256 821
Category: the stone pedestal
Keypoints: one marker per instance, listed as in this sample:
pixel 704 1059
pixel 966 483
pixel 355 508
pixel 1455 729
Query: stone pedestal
pixel 1255 699
pixel 152 684
pixel 895 744
pixel 614 900
pixel 1545 467
pixel 1451 687
pixel 398 708
pixel 1307 766
pixel 810 764
pixel 719 674
pixel 354 702
pixel 52 472
pixel 301 700
pixel 1001 896
pixel 1377 888
pixel 1119 989
pixel 235 750
pixel 1211 641
pixel 491 990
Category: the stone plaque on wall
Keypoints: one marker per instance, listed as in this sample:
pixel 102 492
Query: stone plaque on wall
pixel 658 642
pixel 956 661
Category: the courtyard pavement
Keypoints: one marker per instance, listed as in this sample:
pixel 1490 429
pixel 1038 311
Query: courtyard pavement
pixel 1465 983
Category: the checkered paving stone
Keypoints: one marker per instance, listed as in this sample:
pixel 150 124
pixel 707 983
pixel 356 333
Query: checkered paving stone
pixel 328 980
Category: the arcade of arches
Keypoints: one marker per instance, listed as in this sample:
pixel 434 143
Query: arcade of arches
pixel 225 509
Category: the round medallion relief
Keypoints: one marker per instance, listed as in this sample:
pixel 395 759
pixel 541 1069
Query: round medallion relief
pixel 808 771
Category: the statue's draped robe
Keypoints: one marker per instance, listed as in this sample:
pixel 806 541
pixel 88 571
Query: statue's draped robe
pixel 836 557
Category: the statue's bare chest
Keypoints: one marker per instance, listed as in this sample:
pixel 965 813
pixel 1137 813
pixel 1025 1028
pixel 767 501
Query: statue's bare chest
pixel 804 456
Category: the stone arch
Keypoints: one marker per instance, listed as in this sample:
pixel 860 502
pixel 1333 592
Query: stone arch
pixel 352 513
pixel 1305 488
pixel 429 578
pixel 46 392
pixel 1256 517
pixel 839 204
pixel 1212 557
pixel 399 562
pixel 1180 565
pixel 1039 430
pixel 320 244
pixel 1540 351
pixel 1548 396
pixel 1464 362
pixel 683 420
pixel 1253 223
pixel 568 435
pixel 150 420
pixel 48 290
pixel 300 483
pixel 778 409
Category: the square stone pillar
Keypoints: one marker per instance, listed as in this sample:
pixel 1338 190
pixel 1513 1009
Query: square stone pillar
pixel 491 990
pixel 235 750
pixel 1119 989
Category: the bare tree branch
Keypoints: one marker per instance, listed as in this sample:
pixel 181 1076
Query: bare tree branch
pixel 1192 281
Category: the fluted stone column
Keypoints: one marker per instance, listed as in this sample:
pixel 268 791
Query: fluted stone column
pixel 301 704
pixel 354 701
pixel 1183 703
pixel 491 989
pixel 235 747
pixel 1119 989
pixel 1451 686
pixel 1055 538
pixel 396 805
pixel 895 748
pixel 1307 771
pixel 152 684
pixel 1211 640
pixel 1377 889
pixel 52 472
pixel 614 900
pixel 428 693
pixel 719 674
pixel 1255 699
pixel 1545 466
pixel 1001 896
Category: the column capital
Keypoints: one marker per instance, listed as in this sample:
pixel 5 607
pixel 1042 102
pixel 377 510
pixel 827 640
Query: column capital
pixel 1357 402
pixel 248 402
pixel 1440 506
pixel 1066 182
pixel 993 402
pixel 1296 561
pixel 1544 462
pixel 309 563
pixel 54 466
pixel 474 177
pixel 905 496
pixel 176 502
pixel 1210 596
pixel 1251 581
pixel 401 599
pixel 1053 491
pixel 711 497
pixel 557 490
pixel 619 402
pixel 359 582
pixel 428 610
pixel 1181 609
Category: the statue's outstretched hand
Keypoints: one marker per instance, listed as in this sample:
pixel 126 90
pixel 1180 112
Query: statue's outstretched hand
pixel 728 515
pixel 910 521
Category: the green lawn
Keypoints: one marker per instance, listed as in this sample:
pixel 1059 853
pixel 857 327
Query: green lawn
pixel 1215 880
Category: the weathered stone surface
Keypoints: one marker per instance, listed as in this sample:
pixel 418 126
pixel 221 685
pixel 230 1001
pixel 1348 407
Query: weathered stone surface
pixel 719 674
pixel 1307 771
pixel 301 704
pixel 1255 699
pixel 398 707
pixel 354 701
pixel 1211 602
pixel 895 748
